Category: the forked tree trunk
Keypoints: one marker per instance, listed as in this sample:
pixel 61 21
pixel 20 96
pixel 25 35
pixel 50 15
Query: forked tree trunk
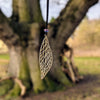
pixel 22 35
pixel 24 63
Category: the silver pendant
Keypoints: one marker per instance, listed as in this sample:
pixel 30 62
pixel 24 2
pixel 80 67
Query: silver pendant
pixel 45 57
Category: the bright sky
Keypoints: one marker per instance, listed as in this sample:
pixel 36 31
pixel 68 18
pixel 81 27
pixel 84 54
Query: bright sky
pixel 93 13
pixel 6 7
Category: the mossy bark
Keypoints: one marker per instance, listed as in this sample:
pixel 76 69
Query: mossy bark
pixel 24 76
pixel 24 14
pixel 22 34
pixel 5 86
pixel 25 66
pixel 35 71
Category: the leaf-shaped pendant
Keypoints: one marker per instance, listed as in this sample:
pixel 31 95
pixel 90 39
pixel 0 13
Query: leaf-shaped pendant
pixel 45 57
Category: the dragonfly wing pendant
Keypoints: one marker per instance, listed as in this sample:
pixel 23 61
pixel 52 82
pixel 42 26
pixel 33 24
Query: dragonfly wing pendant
pixel 45 57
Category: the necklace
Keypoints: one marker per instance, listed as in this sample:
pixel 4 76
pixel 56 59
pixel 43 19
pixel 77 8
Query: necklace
pixel 45 54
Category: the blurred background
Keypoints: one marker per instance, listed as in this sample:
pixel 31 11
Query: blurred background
pixel 85 42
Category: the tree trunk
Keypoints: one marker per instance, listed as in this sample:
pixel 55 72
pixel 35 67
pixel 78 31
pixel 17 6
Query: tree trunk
pixel 22 34
pixel 15 60
pixel 24 65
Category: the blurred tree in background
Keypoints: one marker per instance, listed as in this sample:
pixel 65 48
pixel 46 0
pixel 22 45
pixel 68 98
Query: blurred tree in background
pixel 22 33
pixel 87 33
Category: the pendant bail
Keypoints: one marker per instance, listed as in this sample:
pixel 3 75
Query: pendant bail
pixel 46 30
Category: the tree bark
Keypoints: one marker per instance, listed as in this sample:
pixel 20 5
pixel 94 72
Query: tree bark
pixel 32 55
pixel 64 26
pixel 15 61
pixel 21 33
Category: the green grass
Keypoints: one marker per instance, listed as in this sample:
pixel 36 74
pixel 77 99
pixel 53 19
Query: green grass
pixel 88 65
pixel 4 56
pixel 4 59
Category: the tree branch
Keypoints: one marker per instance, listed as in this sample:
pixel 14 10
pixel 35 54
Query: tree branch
pixel 69 19
pixel 63 28
pixel 2 18
pixel 6 33
pixel 23 10
pixel 35 10
pixel 15 16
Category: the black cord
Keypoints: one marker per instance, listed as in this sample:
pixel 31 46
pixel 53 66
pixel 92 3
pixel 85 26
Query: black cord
pixel 47 15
